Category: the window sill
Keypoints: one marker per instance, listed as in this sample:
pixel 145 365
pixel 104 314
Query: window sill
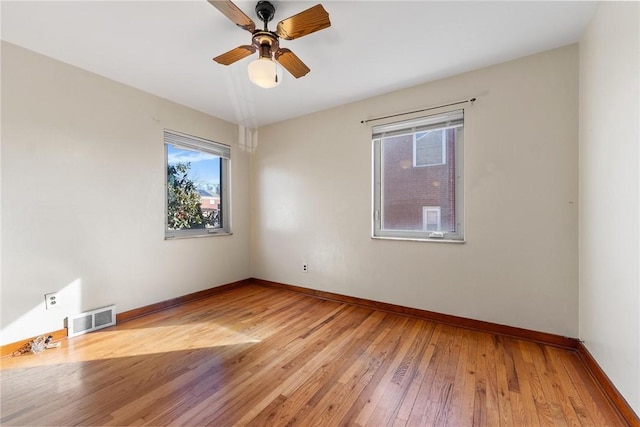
pixel 197 236
pixel 415 239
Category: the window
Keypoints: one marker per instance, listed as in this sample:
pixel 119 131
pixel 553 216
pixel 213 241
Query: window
pixel 197 179
pixel 418 178
pixel 431 218
pixel 430 148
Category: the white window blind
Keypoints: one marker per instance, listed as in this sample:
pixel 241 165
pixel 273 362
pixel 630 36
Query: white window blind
pixel 452 119
pixel 195 143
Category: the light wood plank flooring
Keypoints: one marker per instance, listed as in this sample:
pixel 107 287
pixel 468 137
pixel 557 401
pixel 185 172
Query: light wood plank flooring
pixel 260 356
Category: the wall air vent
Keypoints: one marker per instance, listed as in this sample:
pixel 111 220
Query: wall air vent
pixel 91 320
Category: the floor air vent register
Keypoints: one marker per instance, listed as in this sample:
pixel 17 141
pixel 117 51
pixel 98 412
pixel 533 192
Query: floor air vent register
pixel 91 320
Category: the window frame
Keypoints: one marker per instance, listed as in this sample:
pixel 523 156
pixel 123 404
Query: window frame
pixel 379 132
pixel 223 151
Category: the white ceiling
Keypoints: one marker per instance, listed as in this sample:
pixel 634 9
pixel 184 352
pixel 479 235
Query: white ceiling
pixel 371 48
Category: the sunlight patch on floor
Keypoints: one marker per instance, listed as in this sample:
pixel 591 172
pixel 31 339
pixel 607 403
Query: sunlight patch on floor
pixel 114 343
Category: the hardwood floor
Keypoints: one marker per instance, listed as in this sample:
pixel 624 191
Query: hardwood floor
pixel 261 356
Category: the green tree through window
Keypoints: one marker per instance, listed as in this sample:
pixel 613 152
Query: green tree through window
pixel 183 199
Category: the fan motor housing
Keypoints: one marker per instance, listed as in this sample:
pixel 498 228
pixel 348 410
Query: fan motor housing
pixel 265 11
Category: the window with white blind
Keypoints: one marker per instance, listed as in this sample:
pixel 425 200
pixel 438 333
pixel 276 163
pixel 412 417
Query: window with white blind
pixel 418 183
pixel 197 186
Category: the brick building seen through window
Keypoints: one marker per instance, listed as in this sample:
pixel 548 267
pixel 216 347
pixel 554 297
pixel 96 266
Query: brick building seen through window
pixel 418 181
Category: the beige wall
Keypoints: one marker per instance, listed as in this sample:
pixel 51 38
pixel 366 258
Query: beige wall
pixel 82 197
pixel 312 201
pixel 610 194
pixel 82 180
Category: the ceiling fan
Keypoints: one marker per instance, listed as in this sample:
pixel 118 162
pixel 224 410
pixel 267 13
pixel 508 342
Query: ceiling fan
pixel 263 71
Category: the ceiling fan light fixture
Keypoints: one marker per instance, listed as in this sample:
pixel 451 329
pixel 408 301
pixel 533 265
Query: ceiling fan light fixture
pixel 265 72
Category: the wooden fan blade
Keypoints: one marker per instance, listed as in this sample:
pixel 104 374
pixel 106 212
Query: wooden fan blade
pixel 234 55
pixel 306 22
pixel 291 63
pixel 233 12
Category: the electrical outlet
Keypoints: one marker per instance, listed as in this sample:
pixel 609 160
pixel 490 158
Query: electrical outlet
pixel 51 300
pixel 305 268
